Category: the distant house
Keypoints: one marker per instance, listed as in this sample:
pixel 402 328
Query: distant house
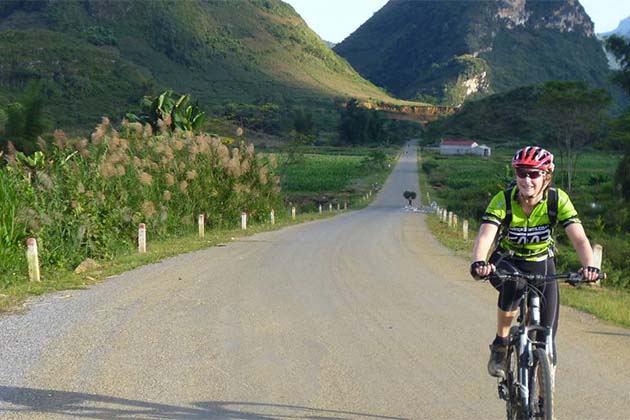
pixel 463 147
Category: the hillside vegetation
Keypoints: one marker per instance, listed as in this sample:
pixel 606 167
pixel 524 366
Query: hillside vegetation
pixel 99 57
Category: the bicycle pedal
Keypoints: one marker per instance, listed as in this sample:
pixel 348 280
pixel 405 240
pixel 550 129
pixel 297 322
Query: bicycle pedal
pixel 504 392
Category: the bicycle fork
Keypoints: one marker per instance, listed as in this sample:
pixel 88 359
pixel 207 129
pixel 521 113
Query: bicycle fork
pixel 525 357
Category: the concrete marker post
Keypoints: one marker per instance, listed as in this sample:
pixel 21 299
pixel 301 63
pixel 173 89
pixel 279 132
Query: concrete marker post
pixel 330 207
pixel 142 238
pixel 450 219
pixel 598 251
pixel 244 221
pixel 202 225
pixel 320 209
pixel 293 213
pixel 465 229
pixel 272 216
pixel 338 206
pixel 32 258
pixel 455 222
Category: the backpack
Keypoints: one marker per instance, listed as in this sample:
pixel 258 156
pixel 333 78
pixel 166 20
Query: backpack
pixel 552 211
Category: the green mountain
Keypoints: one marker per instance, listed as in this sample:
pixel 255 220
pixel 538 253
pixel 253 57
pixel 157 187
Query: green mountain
pixel 100 57
pixel 448 51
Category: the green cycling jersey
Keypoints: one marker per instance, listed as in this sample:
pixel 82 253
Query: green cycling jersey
pixel 529 238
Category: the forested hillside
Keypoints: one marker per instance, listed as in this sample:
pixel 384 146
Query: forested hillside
pixel 450 51
pixel 93 58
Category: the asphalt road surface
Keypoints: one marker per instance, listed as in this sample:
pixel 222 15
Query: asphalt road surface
pixel 361 316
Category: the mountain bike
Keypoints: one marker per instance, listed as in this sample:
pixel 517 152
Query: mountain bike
pixel 527 386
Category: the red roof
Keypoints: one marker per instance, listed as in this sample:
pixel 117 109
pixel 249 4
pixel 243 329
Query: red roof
pixel 458 142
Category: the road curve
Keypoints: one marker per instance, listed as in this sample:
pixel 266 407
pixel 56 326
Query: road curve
pixel 361 316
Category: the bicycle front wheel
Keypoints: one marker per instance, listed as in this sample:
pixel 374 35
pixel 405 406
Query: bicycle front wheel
pixel 540 387
pixel 513 403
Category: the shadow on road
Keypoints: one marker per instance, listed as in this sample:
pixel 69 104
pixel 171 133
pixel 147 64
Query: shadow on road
pixel 30 401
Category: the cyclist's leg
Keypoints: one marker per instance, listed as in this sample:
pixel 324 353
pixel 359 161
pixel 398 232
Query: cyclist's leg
pixel 507 309
pixel 550 306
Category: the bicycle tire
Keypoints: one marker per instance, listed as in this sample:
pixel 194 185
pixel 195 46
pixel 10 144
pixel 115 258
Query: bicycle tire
pixel 513 403
pixel 540 387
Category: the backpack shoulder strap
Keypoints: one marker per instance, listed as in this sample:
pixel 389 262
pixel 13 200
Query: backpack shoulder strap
pixel 508 208
pixel 505 223
pixel 552 205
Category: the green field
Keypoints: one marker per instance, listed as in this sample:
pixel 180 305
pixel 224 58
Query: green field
pixel 335 175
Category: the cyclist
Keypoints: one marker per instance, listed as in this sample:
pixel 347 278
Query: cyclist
pixel 526 243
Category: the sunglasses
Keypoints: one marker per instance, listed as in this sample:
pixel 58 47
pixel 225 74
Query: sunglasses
pixel 524 173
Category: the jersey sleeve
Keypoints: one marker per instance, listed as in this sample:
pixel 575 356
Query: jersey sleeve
pixel 566 212
pixel 495 212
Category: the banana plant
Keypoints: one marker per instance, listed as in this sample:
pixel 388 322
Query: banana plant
pixel 183 116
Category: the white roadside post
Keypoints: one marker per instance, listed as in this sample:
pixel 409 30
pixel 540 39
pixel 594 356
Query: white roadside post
pixel 272 216
pixel 293 213
pixel 142 238
pixel 330 207
pixel 320 209
pixel 450 219
pixel 455 222
pixel 202 225
pixel 243 221
pixel 32 258
pixel 465 229
pixel 338 206
pixel 597 258
pixel 345 205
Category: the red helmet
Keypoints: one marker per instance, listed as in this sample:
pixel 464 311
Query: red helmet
pixel 533 157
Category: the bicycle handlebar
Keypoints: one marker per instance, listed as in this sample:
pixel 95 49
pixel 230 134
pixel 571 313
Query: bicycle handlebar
pixel 572 278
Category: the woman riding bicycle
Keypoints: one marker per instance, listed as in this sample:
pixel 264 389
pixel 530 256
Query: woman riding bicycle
pixel 526 243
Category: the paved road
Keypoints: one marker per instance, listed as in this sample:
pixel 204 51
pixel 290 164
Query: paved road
pixel 363 316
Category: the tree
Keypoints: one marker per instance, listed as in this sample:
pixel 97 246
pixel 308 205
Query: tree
pixel 174 113
pixel 620 48
pixel 25 119
pixel 409 196
pixel 571 114
pixel 303 122
pixel 359 125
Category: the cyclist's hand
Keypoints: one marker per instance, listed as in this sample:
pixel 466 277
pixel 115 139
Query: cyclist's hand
pixel 481 269
pixel 589 273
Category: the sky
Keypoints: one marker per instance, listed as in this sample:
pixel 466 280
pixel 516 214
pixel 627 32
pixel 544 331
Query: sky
pixel 334 20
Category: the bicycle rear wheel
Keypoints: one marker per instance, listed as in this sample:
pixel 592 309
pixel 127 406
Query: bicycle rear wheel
pixel 513 402
pixel 540 387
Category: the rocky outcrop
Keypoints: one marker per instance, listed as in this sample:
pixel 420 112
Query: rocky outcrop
pixel 421 113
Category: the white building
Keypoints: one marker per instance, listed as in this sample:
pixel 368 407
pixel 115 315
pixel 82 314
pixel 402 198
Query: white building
pixel 463 147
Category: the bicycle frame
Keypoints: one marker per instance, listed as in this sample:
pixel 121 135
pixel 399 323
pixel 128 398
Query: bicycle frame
pixel 530 352
pixel 523 337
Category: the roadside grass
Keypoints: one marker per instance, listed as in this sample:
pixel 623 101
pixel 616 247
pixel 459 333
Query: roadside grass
pixel 13 294
pixel 608 304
